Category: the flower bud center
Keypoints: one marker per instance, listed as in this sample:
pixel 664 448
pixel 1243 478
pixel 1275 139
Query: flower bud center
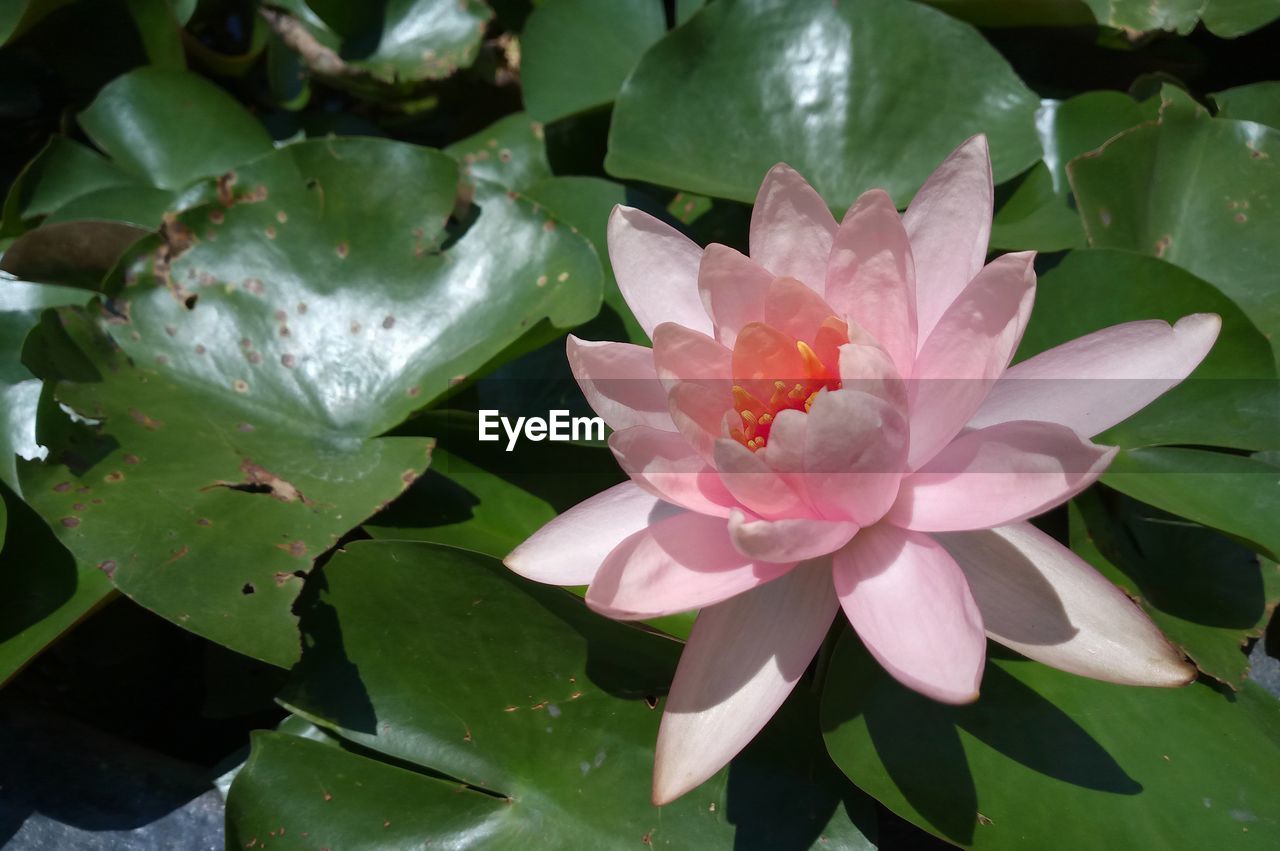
pixel 775 372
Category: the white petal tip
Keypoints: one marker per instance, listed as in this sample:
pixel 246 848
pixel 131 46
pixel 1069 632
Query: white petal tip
pixel 667 789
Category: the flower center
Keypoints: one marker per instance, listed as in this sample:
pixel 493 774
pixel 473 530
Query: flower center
pixel 774 372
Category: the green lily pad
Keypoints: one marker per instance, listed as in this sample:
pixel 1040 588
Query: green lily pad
pixel 1258 102
pixel 1230 399
pixel 163 130
pixel 585 203
pixel 522 693
pixel 1018 13
pixel 510 152
pixel 1041 214
pixel 1232 493
pixel 382 49
pixel 1208 594
pixel 21 303
pixel 172 128
pixel 47 591
pixel 63 171
pixel 1049 760
pixel 261 344
pixel 852 95
pixel 576 53
pixel 1197 191
pixel 18 16
pixel 1231 18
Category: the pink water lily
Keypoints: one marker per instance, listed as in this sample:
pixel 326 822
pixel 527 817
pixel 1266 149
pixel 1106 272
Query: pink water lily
pixel 832 423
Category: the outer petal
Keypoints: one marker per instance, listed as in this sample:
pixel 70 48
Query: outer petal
pixel 967 351
pixel 570 549
pixel 1103 378
pixel 949 225
pixel 657 270
pixel 871 276
pixel 733 290
pixel 787 540
pixel 620 383
pixel 682 354
pixel 1042 600
pixel 664 464
pixel 998 475
pixel 681 563
pixel 911 606
pixel 743 658
pixel 791 228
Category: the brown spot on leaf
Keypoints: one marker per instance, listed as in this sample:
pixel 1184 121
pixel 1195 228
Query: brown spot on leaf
pixel 181 552
pixel 297 549
pixel 62 487
pixel 288 361
pixel 204 521
pixel 388 322
pixel 79 506
pixel 245 427
pixel 108 567
pixel 254 286
pixel 114 477
pixel 343 250
pixel 176 240
pixel 240 385
pixel 149 423
pixel 282 216
pixel 70 522
pixel 270 232
pixel 225 196
pixel 131 459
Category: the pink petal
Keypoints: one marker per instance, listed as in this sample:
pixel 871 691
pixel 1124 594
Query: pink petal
pixel 682 354
pixel 698 409
pixel 1091 383
pixel 967 351
pixel 733 289
pixel 871 276
pixel 1042 600
pixel 868 368
pixel 855 449
pixel 788 540
pixel 911 606
pixel 998 475
pixel 794 309
pixel 754 483
pixel 791 228
pixel 743 658
pixel 949 225
pixel 570 549
pixel 664 464
pixel 620 383
pixel 657 270
pixel 681 563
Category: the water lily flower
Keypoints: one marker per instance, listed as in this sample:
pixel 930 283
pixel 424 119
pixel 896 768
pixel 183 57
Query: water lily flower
pixel 832 423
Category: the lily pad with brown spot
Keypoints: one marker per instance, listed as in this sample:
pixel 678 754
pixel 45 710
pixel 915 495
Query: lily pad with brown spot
pixel 237 389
